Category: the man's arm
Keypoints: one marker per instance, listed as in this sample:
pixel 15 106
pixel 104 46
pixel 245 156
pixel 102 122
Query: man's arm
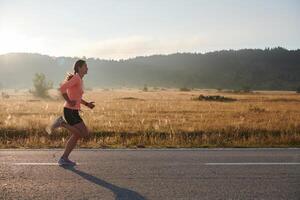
pixel 88 104
pixel 84 102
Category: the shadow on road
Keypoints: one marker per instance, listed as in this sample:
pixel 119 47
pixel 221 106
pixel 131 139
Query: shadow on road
pixel 120 193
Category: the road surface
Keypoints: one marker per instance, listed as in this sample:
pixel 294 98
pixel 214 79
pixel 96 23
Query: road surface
pixel 152 174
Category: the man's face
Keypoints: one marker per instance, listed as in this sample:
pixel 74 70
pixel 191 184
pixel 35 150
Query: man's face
pixel 84 69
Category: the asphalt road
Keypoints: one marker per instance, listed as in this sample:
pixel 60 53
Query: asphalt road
pixel 152 174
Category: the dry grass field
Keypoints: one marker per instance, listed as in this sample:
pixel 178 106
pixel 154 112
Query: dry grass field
pixel 161 118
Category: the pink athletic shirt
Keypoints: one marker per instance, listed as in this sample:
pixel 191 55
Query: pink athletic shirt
pixel 74 89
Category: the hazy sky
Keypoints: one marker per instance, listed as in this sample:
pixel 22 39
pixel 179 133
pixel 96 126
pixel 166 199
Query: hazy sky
pixel 128 28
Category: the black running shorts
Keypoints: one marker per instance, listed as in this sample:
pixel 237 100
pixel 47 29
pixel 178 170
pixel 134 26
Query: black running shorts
pixel 72 116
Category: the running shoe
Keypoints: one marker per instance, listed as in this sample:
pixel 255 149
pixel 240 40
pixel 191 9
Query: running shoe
pixel 63 161
pixel 56 123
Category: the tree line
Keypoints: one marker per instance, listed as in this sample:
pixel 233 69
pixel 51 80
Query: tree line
pixel 257 69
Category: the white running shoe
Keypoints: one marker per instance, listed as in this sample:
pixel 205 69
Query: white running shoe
pixel 68 162
pixel 56 123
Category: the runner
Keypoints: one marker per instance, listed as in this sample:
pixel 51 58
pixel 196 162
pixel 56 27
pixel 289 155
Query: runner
pixel 72 91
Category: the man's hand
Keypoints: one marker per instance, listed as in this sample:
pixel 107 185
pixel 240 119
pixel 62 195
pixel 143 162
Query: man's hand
pixel 90 104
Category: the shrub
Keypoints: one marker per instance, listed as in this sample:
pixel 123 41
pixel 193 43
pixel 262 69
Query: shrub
pixel 145 89
pixel 41 86
pixel 184 89
pixel 4 95
pixel 298 90
pixel 215 98
pixel 256 109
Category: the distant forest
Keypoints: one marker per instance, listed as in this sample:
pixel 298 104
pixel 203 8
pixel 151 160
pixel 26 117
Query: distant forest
pixel 257 69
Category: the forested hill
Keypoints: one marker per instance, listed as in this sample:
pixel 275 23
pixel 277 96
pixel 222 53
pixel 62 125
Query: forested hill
pixel 268 69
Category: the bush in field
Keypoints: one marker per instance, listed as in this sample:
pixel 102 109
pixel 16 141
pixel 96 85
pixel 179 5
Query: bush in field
pixel 298 90
pixel 145 89
pixel 4 95
pixel 214 98
pixel 41 86
pixel 246 89
pixel 257 109
pixel 185 89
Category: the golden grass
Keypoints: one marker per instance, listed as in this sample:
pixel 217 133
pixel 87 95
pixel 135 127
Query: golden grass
pixel 170 118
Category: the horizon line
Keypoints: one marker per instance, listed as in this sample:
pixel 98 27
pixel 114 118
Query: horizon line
pixel 150 55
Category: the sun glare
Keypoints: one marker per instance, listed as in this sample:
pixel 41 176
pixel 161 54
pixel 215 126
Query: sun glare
pixel 14 41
